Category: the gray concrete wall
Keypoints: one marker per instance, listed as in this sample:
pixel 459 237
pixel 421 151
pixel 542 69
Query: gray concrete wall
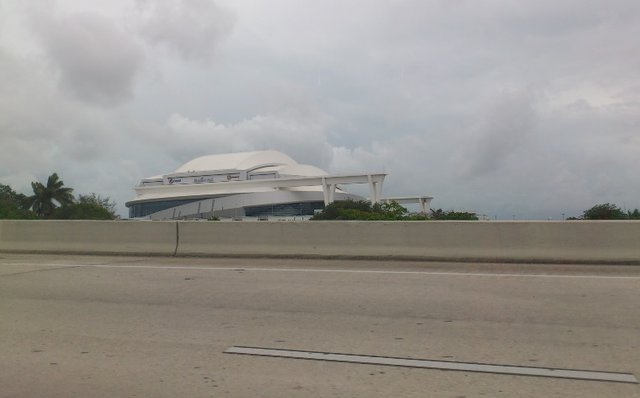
pixel 544 241
pixel 477 241
pixel 99 237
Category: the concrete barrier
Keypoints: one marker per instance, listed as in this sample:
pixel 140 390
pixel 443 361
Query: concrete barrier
pixel 544 241
pixel 519 241
pixel 98 237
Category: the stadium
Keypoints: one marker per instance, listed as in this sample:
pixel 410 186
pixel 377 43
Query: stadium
pixel 261 185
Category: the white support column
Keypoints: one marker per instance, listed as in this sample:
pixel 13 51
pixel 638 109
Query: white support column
pixel 378 191
pixel 332 192
pixel 425 204
pixel 372 190
pixel 325 191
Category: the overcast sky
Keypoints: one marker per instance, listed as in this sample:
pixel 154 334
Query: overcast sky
pixel 510 108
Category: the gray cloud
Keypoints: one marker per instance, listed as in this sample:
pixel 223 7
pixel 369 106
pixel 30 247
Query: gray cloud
pixel 503 128
pixel 305 140
pixel 190 28
pixel 96 60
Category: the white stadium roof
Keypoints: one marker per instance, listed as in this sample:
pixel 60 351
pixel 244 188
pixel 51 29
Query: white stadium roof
pixel 236 161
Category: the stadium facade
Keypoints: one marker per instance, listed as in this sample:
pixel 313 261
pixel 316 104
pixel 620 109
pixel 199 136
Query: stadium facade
pixel 247 185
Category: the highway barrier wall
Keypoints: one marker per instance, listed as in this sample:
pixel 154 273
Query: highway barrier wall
pixel 446 240
pixel 90 237
pixel 517 241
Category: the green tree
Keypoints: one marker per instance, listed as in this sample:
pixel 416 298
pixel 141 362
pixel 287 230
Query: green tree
pixel 606 211
pixel 14 205
pixel 87 207
pixel 634 215
pixel 364 210
pixel 439 214
pixel 392 210
pixel 461 216
pixel 46 198
pixel 345 210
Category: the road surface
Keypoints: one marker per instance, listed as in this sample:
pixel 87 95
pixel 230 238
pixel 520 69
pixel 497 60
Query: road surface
pixel 90 326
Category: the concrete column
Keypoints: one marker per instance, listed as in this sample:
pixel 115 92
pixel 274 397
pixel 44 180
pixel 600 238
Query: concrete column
pixel 332 193
pixel 325 191
pixel 372 190
pixel 378 191
pixel 425 204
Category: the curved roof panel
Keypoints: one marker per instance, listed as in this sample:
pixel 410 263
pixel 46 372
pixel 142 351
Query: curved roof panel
pixel 302 170
pixel 236 161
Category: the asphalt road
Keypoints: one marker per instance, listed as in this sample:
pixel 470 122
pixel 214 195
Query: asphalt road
pixel 74 326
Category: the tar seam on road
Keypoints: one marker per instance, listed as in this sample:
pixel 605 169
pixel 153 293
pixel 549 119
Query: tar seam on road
pixel 327 270
pixel 40 270
pixel 175 250
pixel 589 375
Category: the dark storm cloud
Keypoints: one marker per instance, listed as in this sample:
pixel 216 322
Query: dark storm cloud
pixel 96 60
pixel 190 28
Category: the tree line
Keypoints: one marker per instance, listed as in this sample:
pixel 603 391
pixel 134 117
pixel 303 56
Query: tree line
pixel 388 211
pixel 392 211
pixel 608 211
pixel 52 200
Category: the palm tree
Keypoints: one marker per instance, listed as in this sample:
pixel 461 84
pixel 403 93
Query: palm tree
pixel 438 214
pixel 44 198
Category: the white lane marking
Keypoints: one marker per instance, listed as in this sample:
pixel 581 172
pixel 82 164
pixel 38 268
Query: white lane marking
pixel 326 270
pixel 434 364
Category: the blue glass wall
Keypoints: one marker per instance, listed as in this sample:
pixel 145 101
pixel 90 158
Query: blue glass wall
pixel 144 209
pixel 284 209
pixel 279 210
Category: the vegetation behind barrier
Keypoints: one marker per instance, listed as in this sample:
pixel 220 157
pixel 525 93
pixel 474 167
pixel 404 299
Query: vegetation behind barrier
pixel 388 211
pixel 53 200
